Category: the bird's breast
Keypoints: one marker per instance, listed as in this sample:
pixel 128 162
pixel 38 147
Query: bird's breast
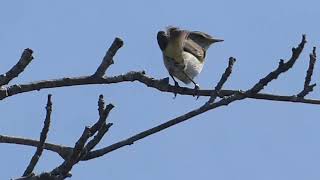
pixel 190 66
pixel 193 65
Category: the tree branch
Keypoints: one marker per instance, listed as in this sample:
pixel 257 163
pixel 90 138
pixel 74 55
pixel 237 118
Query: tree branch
pixel 283 67
pixel 66 166
pixel 63 151
pixel 307 87
pixel 100 126
pixel 43 137
pixel 25 59
pixel 142 78
pixel 97 138
pixel 81 147
pixel 108 58
pixel 223 79
pixel 160 85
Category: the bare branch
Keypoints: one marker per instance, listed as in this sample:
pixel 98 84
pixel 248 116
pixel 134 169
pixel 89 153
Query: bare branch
pixel 43 137
pixel 25 59
pixel 97 138
pixel 103 115
pixel 223 79
pixel 283 67
pixel 204 108
pixel 162 85
pixel 108 58
pixel 307 87
pixel 63 151
pixel 66 166
pixel 81 147
pixel 100 125
pixel 101 104
pixel 142 78
pixel 141 135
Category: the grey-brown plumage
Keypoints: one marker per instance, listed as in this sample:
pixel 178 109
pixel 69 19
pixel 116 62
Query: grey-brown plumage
pixel 184 52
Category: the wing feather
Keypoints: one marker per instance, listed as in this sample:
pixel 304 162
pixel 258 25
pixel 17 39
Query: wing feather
pixel 195 49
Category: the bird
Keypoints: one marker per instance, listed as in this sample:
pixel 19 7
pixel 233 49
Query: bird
pixel 184 52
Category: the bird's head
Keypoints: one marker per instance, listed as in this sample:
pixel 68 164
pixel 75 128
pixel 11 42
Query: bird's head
pixel 162 40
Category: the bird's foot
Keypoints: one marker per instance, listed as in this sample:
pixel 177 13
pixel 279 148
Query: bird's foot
pixel 176 84
pixel 196 87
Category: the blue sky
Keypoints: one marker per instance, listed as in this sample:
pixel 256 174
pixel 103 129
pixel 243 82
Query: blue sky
pixel 247 140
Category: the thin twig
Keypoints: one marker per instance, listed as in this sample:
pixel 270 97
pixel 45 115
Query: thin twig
pixel 108 58
pixel 307 88
pixel 25 59
pixel 43 137
pixel 222 80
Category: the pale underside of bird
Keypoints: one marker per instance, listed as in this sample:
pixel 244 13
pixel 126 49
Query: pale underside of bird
pixel 184 52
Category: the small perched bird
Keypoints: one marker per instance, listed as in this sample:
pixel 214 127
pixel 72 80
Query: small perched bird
pixel 184 52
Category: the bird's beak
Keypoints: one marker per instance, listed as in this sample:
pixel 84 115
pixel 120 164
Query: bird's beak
pixel 217 40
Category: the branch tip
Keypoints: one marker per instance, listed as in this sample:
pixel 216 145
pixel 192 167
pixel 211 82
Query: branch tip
pixel 314 50
pixel 18 68
pixel 119 41
pixel 307 88
pixel 108 58
pixel 49 102
pixel 304 38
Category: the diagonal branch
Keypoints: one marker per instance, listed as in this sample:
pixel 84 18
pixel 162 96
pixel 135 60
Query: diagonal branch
pixel 108 58
pixel 307 87
pixel 172 122
pixel 97 138
pixel 223 79
pixel 283 67
pixel 66 166
pixel 43 137
pixel 25 59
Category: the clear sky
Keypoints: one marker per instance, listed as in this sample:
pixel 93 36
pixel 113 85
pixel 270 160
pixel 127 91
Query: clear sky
pixel 247 140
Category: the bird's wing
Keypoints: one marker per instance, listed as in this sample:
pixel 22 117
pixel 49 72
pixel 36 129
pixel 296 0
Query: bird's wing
pixel 195 49
pixel 201 34
pixel 202 39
